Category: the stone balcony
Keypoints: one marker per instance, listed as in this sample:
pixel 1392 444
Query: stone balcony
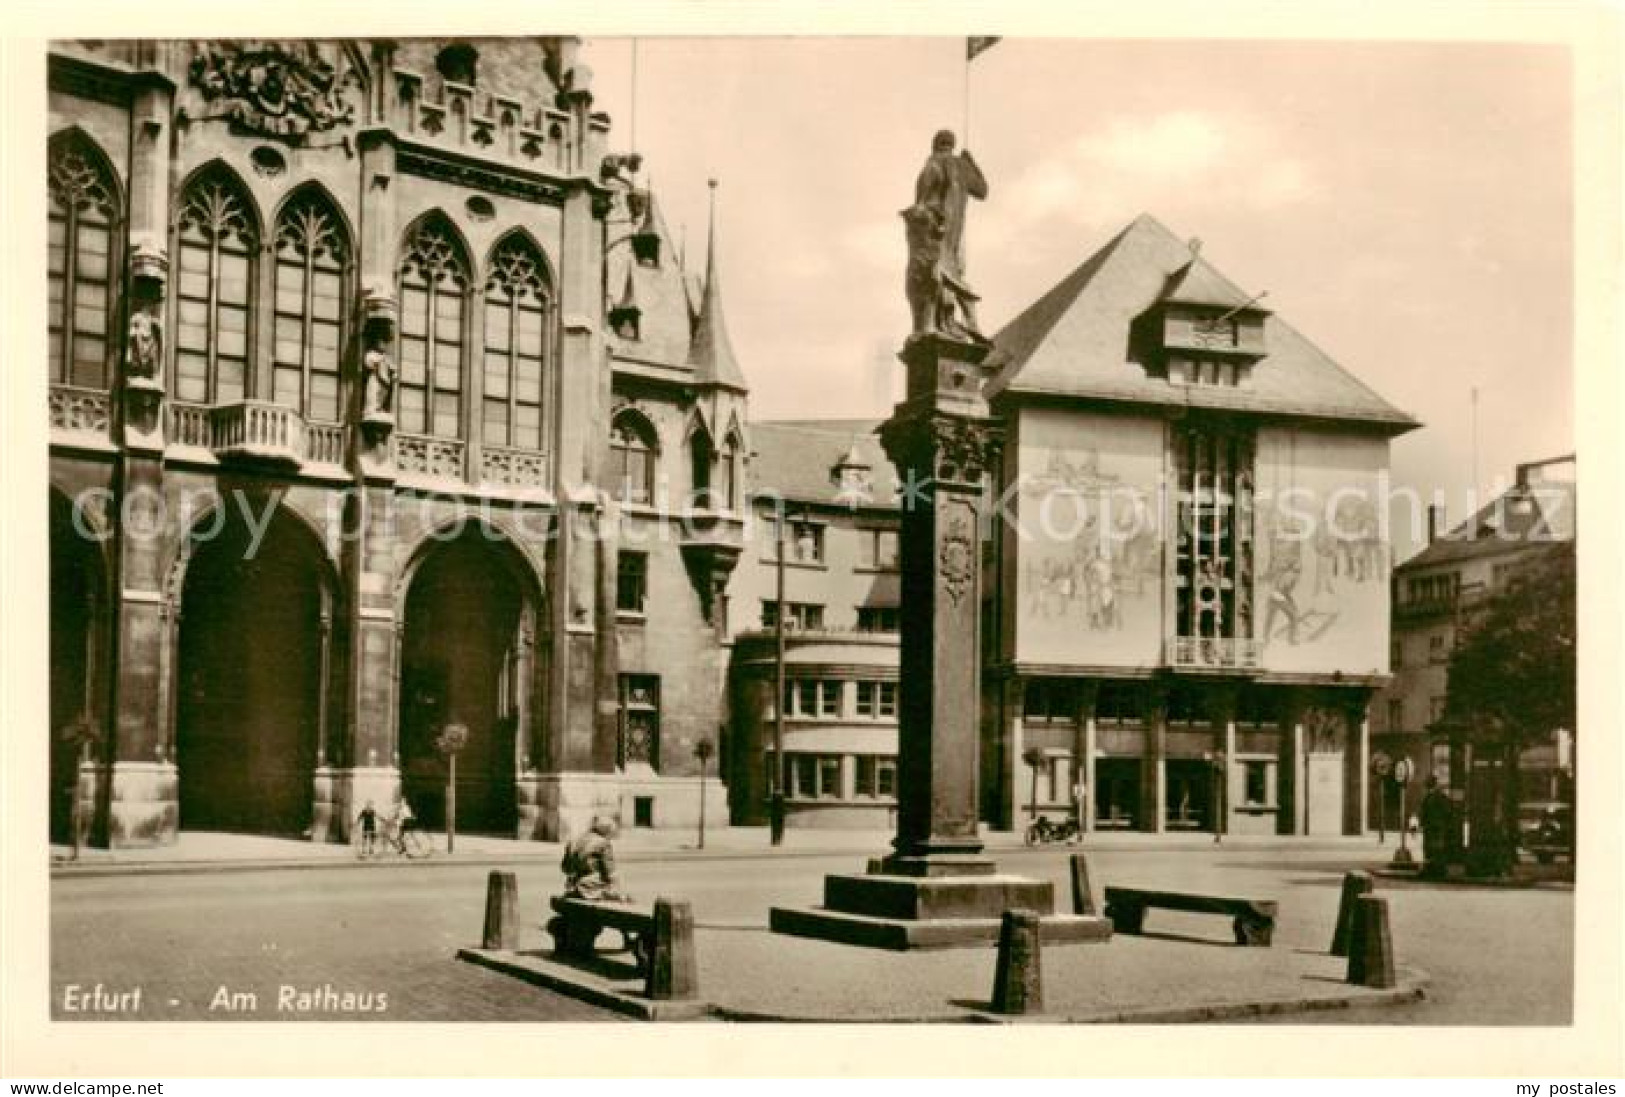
pixel 1204 653
pixel 256 431
pixel 711 542
pixel 708 528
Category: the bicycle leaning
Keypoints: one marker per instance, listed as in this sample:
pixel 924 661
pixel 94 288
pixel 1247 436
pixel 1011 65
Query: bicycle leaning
pixel 399 835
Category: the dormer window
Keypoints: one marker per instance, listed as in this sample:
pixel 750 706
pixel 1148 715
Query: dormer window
pixel 1202 330
pixel 853 477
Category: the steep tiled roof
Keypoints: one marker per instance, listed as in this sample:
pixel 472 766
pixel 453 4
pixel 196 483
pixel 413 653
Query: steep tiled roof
pixel 795 460
pixel 681 326
pixel 1198 283
pixel 711 354
pixel 664 328
pixel 1075 341
pixel 1542 512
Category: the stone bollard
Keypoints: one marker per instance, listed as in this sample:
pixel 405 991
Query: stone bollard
pixel 1018 979
pixel 1355 884
pixel 1083 896
pixel 1371 948
pixel 501 911
pixel 673 968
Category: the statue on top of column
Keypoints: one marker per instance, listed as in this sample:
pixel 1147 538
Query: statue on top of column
pixel 939 297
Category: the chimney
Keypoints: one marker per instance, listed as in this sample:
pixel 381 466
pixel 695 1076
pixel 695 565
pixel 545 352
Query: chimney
pixel 1435 515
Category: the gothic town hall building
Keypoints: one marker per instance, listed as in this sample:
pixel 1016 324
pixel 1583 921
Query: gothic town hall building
pixel 385 425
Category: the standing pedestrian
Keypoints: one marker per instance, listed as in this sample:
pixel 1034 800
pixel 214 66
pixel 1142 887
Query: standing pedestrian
pixel 368 820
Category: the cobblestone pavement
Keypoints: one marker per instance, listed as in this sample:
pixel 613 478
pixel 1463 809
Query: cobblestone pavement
pixel 383 938
pixel 1496 956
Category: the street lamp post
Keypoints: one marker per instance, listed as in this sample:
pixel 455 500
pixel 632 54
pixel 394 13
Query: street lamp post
pixel 703 751
pixel 1034 757
pixel 775 809
pixel 452 739
pixel 1402 776
pixel 82 735
pixel 1382 768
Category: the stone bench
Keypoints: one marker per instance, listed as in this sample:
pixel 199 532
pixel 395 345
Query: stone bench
pixel 661 939
pixel 1254 919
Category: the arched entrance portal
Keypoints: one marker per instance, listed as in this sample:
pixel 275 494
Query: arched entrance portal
pixel 78 620
pixel 249 701
pixel 466 660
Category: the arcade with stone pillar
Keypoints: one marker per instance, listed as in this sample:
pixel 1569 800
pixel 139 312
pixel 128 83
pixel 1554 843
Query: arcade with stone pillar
pixel 333 399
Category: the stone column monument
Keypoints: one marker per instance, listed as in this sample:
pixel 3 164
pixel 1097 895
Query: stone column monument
pixel 936 889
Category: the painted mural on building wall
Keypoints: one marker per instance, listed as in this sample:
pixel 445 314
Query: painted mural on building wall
pixel 1323 576
pixel 1089 583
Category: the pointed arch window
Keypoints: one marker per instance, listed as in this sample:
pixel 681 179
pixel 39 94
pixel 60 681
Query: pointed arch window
pixel 726 491
pixel 84 215
pixel 217 238
pixel 517 304
pixel 701 456
pixel 434 288
pixel 312 255
pixel 634 450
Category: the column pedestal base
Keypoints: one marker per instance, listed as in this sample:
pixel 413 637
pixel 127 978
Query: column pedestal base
pixel 919 903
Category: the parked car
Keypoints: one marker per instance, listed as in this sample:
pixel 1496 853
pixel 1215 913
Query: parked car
pixel 1546 830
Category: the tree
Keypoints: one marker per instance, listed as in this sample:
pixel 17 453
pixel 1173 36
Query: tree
pixel 1512 675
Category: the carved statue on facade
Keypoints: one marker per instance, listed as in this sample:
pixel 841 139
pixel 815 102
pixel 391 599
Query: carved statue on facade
pixel 940 299
pixel 144 349
pixel 271 88
pixel 378 384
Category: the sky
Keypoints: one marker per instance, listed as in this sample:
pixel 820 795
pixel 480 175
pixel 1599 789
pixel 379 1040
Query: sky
pixel 1407 206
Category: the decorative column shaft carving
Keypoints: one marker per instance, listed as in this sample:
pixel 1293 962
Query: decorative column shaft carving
pixel 943 442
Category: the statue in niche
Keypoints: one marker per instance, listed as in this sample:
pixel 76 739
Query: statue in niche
pixel 940 300
pixel 378 383
pixel 144 348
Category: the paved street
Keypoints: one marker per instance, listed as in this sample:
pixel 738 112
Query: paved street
pixel 1496 956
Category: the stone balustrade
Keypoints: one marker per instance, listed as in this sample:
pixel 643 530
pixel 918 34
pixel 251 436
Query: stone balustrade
pixel 440 458
pixel 324 443
pixel 514 467
pixel 80 410
pixel 191 425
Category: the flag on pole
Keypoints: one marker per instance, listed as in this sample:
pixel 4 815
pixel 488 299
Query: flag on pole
pixel 974 46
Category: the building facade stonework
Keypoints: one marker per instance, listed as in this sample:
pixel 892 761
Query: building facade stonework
pixel 339 406
pixel 381 404
pixel 838 554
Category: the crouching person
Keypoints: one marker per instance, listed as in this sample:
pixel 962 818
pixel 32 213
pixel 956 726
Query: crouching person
pixel 589 864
